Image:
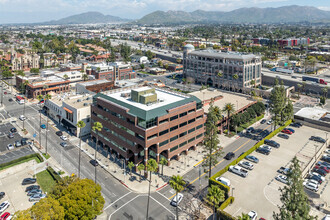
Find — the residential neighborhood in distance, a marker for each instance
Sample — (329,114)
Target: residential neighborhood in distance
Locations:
(164,110)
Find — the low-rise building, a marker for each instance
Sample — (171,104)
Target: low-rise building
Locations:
(113,71)
(94,86)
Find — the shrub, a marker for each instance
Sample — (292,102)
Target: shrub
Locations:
(225,203)
(22,160)
(54,174)
(224,215)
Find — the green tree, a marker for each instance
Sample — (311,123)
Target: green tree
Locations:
(211,140)
(152,166)
(177,183)
(65,76)
(243,217)
(325,91)
(81,124)
(163,162)
(142,66)
(235,78)
(97,127)
(215,195)
(84,77)
(140,167)
(150,55)
(229,109)
(299,89)
(277,102)
(130,166)
(20,73)
(294,200)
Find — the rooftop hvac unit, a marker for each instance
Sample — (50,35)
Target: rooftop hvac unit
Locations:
(79,100)
(85,104)
(161,100)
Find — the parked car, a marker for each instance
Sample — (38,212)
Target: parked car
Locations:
(238,170)
(34,191)
(323,163)
(318,175)
(313,181)
(316,178)
(64,144)
(37,197)
(64,138)
(263,121)
(5,216)
(246,165)
(94,162)
(32,187)
(43,126)
(22,118)
(282,179)
(10,100)
(322,168)
(27,181)
(252,158)
(290,129)
(266,147)
(4,206)
(327,151)
(296,125)
(272,143)
(317,139)
(320,171)
(230,156)
(18,144)
(250,130)
(253,215)
(2,194)
(284,136)
(326,158)
(59,133)
(311,186)
(223,180)
(177,199)
(285,131)
(11,135)
(24,141)
(263,151)
(10,147)
(13,130)
(270,122)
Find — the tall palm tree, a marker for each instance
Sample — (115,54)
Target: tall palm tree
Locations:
(40,97)
(80,125)
(229,108)
(163,162)
(152,166)
(140,167)
(85,77)
(47,97)
(215,195)
(177,183)
(97,127)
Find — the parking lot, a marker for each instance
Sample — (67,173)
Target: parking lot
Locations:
(4,139)
(259,191)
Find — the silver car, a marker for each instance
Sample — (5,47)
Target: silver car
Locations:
(37,197)
(246,165)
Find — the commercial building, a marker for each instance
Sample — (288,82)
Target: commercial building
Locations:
(218,69)
(114,71)
(94,86)
(67,110)
(143,122)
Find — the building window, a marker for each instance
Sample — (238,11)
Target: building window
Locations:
(174,128)
(152,136)
(173,118)
(183,114)
(183,124)
(182,144)
(163,143)
(191,121)
(163,132)
(191,110)
(174,148)
(191,130)
(198,136)
(192,139)
(199,126)
(183,134)
(174,138)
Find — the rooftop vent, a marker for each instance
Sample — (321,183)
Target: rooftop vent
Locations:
(79,100)
(85,104)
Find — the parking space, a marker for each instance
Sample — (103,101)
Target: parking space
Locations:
(15,191)
(4,139)
(15,154)
(260,187)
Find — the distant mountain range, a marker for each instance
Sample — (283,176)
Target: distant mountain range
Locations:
(285,14)
(88,18)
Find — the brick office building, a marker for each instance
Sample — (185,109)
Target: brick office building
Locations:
(144,122)
(112,72)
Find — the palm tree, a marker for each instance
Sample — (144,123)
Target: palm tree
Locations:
(229,108)
(303,87)
(140,167)
(65,76)
(80,125)
(163,162)
(215,195)
(152,166)
(177,183)
(217,112)
(130,166)
(85,77)
(40,97)
(97,127)
(243,217)
(47,97)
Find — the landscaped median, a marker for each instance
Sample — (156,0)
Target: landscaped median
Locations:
(229,199)
(21,160)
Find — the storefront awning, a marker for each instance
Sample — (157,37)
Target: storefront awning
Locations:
(68,110)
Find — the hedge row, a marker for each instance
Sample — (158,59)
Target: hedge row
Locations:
(212,180)
(224,215)
(22,159)
(54,174)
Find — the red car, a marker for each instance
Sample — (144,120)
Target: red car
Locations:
(286,131)
(326,169)
(5,216)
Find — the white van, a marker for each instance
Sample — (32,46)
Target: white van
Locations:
(223,180)
(176,199)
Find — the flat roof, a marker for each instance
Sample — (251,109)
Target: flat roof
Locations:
(312,113)
(229,55)
(76,101)
(94,82)
(166,100)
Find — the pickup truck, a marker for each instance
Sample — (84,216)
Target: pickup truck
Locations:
(238,170)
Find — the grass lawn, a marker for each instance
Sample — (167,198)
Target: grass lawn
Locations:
(45,180)
(46,155)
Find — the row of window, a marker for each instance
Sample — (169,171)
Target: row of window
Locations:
(185,143)
(112,142)
(119,136)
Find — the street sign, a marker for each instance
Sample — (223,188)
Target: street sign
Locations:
(34,135)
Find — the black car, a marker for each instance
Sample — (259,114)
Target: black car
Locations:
(317,139)
(94,163)
(272,143)
(284,136)
(320,171)
(317,178)
(229,156)
(10,100)
(13,130)
(326,159)
(250,130)
(2,194)
(32,187)
(24,141)
(27,181)
(296,125)
(263,121)
(59,133)
(263,150)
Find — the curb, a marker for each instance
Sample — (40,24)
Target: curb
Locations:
(162,186)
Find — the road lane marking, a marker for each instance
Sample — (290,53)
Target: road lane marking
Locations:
(123,205)
(116,200)
(163,206)
(216,164)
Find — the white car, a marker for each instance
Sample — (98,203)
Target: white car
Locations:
(253,215)
(22,117)
(266,147)
(10,147)
(327,151)
(311,186)
(4,206)
(64,138)
(282,179)
(270,122)
(223,180)
(313,181)
(177,199)
(246,165)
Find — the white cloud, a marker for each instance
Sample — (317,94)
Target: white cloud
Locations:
(325,8)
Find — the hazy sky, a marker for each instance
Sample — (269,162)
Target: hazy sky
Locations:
(24,11)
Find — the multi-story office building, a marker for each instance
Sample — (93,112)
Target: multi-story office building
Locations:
(217,69)
(112,72)
(145,122)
